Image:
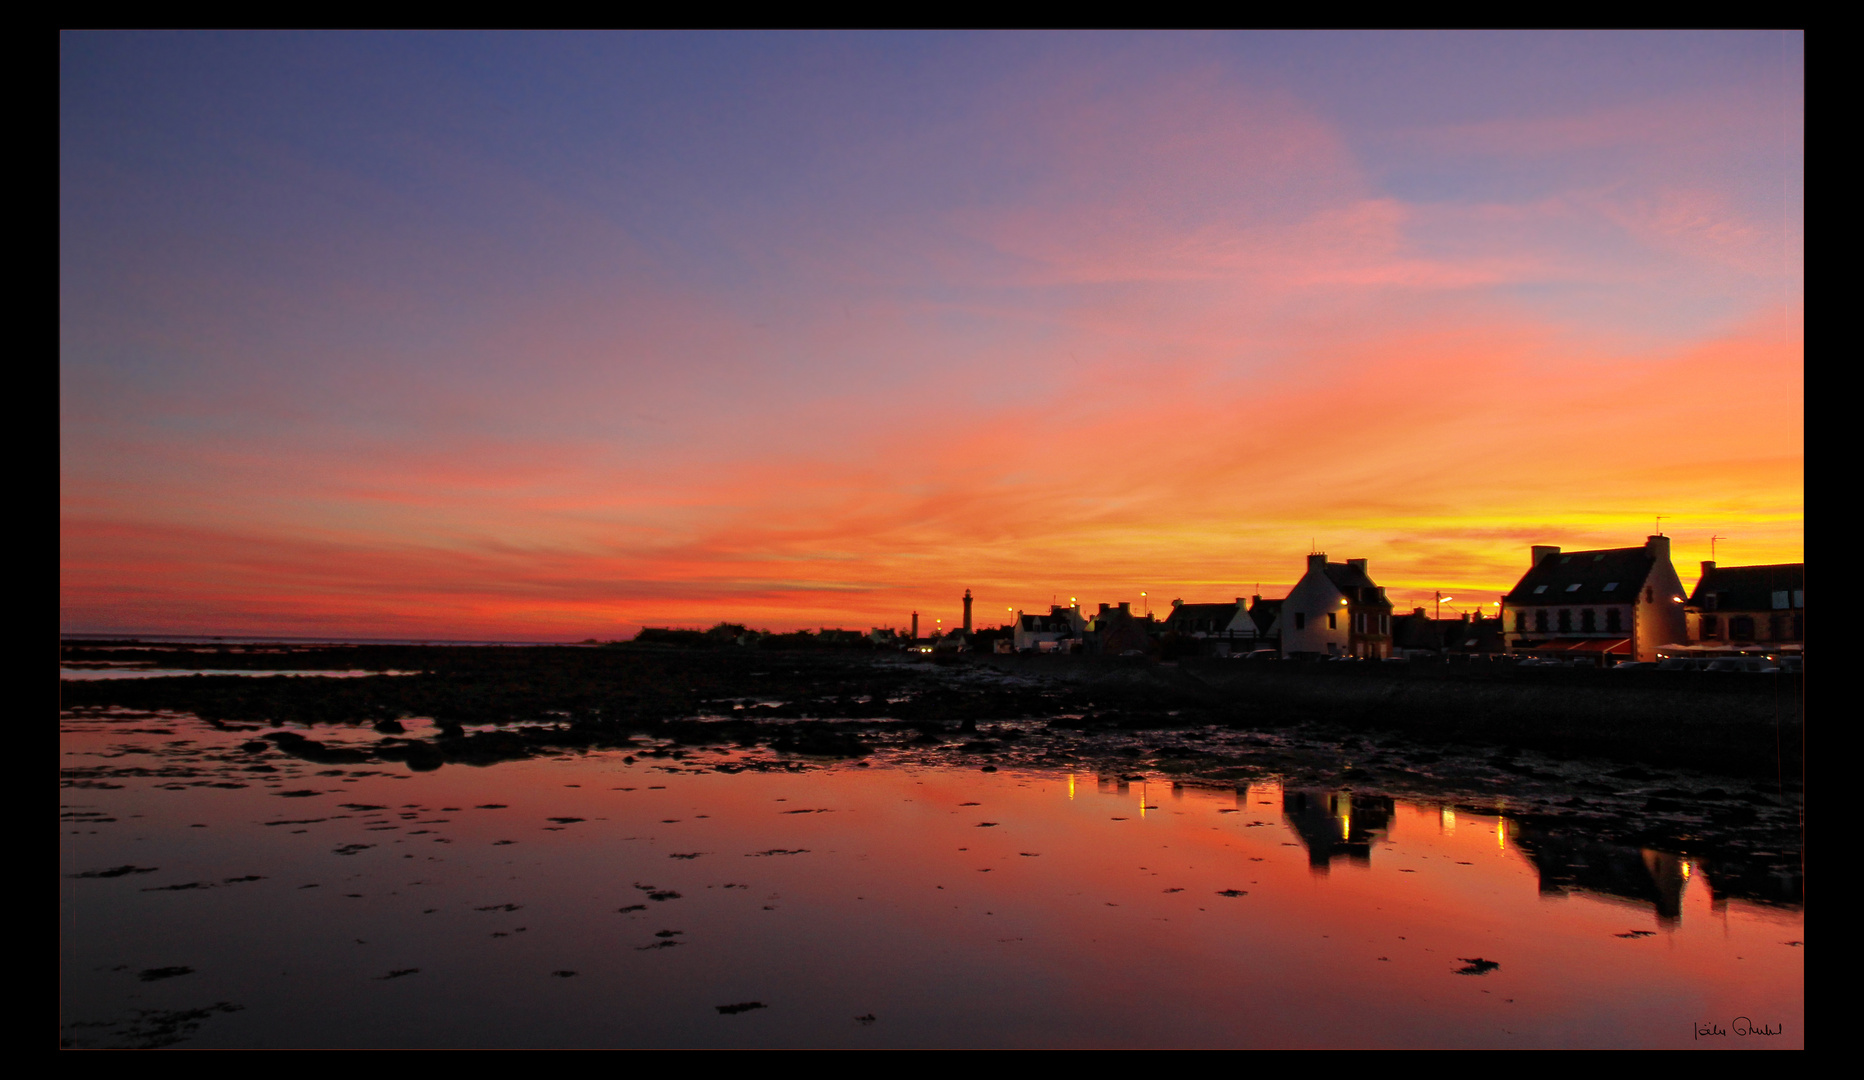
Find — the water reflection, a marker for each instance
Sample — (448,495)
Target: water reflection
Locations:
(1336,823)
(94,672)
(609,899)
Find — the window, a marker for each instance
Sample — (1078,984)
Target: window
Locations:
(1538,589)
(1780,598)
(1711,627)
(1588,621)
(1799,598)
(1520,622)
(1333,620)
(1574,587)
(1300,620)
(1741,627)
(1610,585)
(1566,620)
(1600,557)
(1566,558)
(1385,623)
(1650,594)
(1540,621)
(1612,622)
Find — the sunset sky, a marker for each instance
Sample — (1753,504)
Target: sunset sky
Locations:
(552,336)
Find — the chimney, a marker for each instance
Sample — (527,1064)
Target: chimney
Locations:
(1357,564)
(1126,607)
(1658,546)
(1105,608)
(1317,561)
(1708,568)
(1417,613)
(1541,551)
(1177,603)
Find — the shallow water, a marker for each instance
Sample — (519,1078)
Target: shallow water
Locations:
(891,905)
(129,671)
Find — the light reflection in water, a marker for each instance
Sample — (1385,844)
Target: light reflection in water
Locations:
(865,891)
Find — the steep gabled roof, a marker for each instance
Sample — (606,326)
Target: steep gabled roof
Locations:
(1750,588)
(1595,577)
(1194,614)
(1348,576)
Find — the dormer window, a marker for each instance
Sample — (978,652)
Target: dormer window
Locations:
(1538,589)
(1610,585)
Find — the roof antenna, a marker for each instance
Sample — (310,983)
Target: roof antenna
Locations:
(1659,524)
(1712,540)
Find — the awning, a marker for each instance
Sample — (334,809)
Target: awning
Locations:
(1599,645)
(1581,645)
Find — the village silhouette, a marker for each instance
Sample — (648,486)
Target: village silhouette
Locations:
(1606,608)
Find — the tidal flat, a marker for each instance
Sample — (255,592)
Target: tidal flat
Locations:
(519,850)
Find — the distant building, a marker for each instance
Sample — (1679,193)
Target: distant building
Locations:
(1749,605)
(1118,632)
(1464,635)
(1057,630)
(1336,610)
(1620,602)
(1224,628)
(1266,614)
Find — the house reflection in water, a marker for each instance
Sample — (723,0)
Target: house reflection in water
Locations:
(1335,823)
(1645,875)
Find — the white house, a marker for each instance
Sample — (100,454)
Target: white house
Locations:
(1336,610)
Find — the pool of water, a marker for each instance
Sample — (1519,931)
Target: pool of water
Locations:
(215,896)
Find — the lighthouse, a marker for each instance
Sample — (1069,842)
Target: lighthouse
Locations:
(967,611)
